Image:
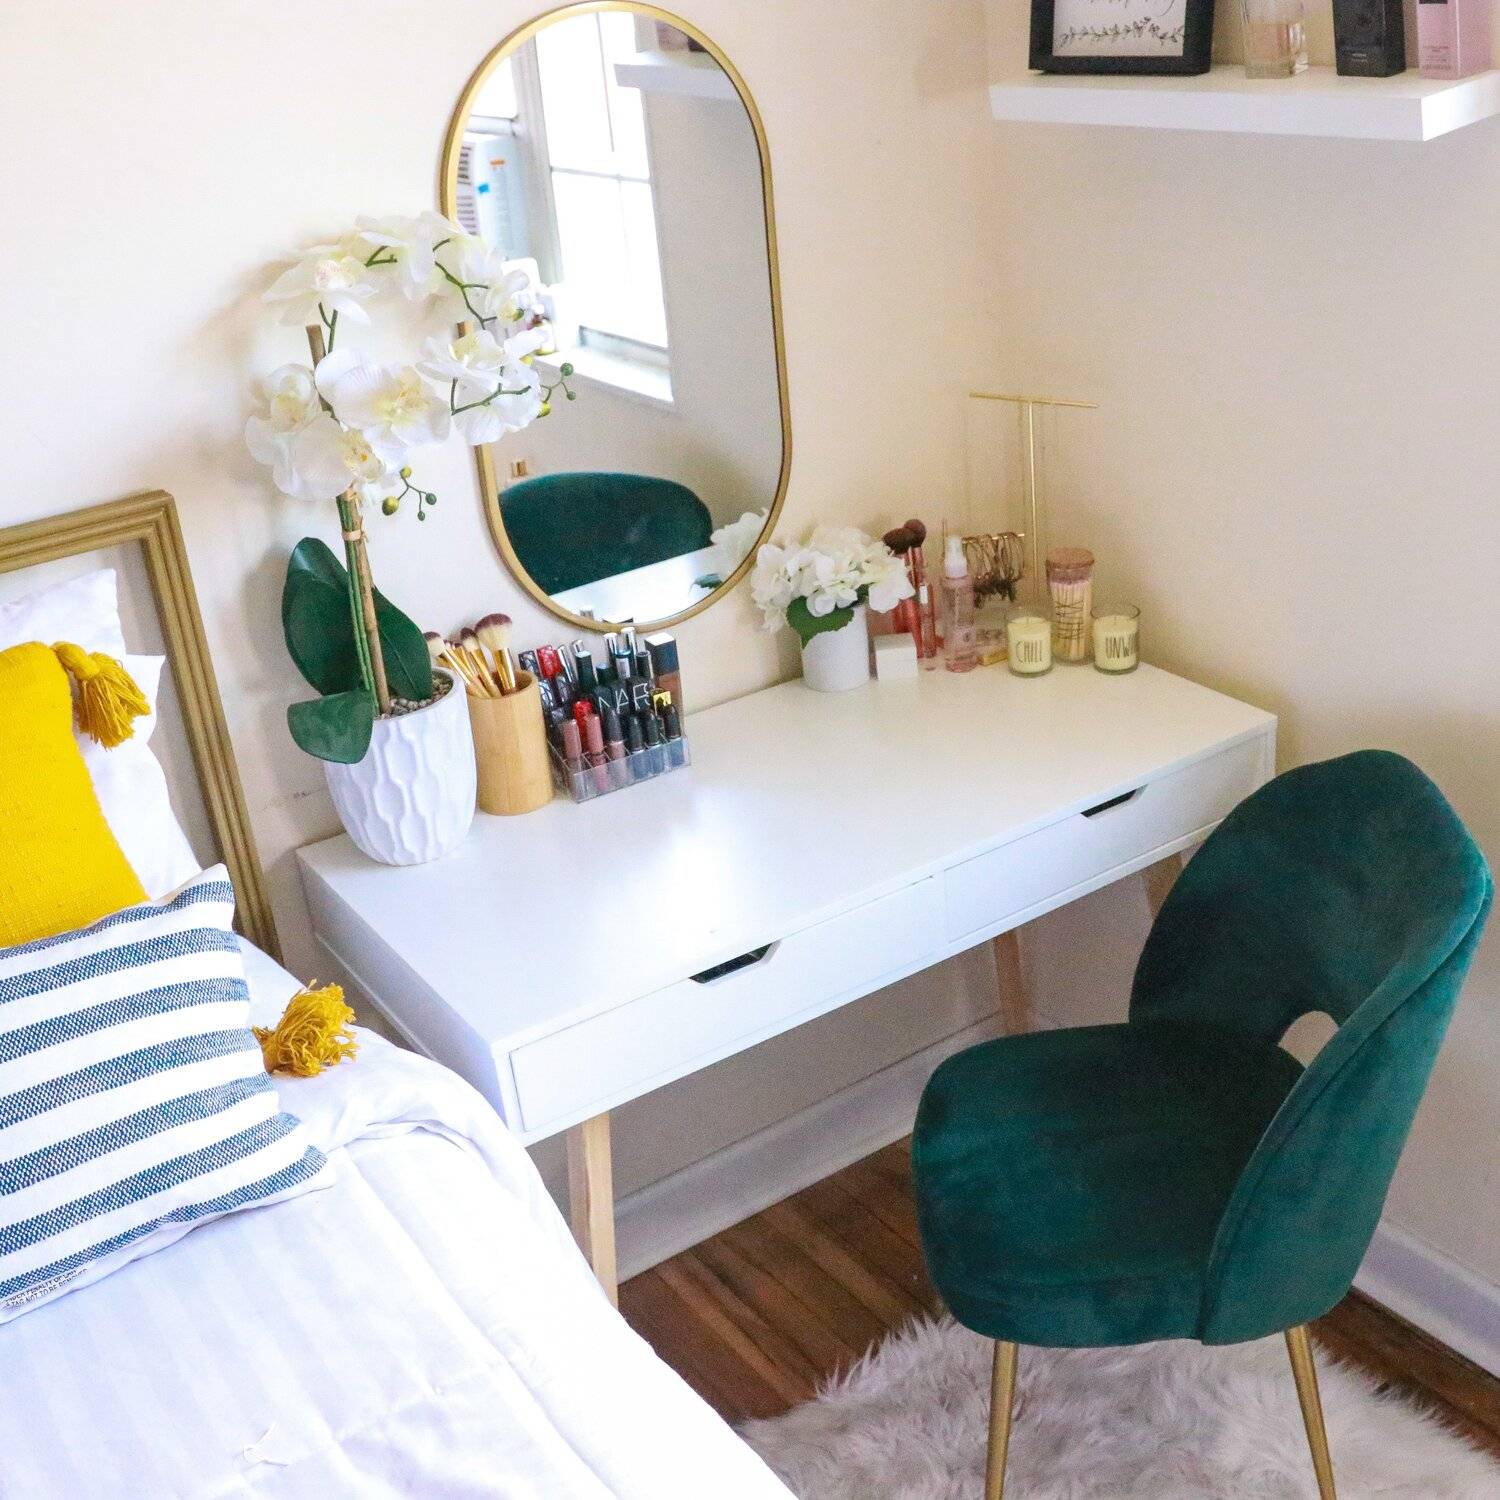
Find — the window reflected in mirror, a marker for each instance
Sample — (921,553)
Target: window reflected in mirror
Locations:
(612,156)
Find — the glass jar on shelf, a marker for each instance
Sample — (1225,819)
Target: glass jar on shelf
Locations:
(1117,638)
(1028,635)
(1070,582)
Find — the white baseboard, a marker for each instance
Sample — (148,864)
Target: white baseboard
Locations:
(657,1222)
(1439,1295)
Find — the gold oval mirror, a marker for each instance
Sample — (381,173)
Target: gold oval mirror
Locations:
(612,152)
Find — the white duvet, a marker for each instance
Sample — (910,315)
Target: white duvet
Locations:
(424,1327)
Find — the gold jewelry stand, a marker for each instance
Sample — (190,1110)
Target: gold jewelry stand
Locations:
(1027,406)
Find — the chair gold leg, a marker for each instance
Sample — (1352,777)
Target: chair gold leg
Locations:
(1299,1346)
(1002,1398)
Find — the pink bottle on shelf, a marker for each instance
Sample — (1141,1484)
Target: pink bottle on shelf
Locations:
(1453,38)
(960,634)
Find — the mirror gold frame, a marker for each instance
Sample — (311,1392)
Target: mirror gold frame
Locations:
(489,489)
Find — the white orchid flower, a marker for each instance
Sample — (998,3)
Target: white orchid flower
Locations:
(474,360)
(286,401)
(390,404)
(414,241)
(327,279)
(324,459)
(516,403)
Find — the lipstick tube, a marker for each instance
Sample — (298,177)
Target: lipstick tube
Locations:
(593,752)
(614,749)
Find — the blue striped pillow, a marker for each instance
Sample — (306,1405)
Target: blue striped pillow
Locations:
(134,1103)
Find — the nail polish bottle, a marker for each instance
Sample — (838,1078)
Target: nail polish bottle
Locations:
(655,744)
(635,749)
(671,722)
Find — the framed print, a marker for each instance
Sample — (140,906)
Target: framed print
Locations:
(1121,36)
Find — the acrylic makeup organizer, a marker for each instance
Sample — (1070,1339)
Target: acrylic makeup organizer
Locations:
(589,782)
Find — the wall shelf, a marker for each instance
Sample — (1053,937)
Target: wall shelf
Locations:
(1316,103)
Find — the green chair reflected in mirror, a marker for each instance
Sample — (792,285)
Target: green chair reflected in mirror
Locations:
(575,528)
(1181,1175)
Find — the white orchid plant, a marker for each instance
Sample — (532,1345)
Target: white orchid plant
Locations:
(815,587)
(342,427)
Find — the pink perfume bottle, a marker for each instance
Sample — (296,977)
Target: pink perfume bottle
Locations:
(960,642)
(1453,37)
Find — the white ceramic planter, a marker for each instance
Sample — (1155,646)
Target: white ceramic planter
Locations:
(838,660)
(411,798)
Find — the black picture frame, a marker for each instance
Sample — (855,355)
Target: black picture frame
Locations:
(1197,43)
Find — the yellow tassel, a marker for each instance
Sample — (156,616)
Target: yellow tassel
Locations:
(108,699)
(312,1034)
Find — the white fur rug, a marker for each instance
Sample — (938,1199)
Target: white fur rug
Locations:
(1173,1421)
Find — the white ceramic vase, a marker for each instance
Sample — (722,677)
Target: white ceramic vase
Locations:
(411,798)
(838,660)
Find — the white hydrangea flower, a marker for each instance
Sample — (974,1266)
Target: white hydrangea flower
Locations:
(732,542)
(837,567)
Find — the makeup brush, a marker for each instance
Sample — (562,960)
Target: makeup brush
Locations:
(494,636)
(469,643)
(437,649)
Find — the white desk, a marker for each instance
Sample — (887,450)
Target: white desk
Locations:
(862,836)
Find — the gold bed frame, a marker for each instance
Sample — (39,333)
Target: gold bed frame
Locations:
(150,519)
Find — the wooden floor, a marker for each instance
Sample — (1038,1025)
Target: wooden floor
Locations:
(756,1316)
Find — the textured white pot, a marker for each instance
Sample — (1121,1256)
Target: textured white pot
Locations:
(411,798)
(838,660)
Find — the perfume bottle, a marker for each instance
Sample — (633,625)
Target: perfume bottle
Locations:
(1453,37)
(959,644)
(1275,36)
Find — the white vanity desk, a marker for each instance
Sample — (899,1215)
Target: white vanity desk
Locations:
(863,836)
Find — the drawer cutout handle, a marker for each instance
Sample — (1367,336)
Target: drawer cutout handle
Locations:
(1120,801)
(734,965)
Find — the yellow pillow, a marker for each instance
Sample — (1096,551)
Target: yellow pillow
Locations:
(60,866)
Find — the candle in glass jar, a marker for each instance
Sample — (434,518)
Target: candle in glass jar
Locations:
(1028,637)
(1117,631)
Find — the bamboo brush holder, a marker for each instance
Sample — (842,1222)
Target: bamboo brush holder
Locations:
(510,749)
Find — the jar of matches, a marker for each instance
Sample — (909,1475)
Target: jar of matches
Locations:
(1070,581)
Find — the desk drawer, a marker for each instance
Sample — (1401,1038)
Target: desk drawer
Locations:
(664,1035)
(1019,875)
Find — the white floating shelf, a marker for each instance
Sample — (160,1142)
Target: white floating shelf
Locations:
(693,74)
(1317,102)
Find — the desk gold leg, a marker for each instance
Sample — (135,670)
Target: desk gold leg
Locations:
(591,1199)
(1015,1002)
(1159,880)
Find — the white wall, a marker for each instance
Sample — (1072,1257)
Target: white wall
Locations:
(1293,471)
(157,162)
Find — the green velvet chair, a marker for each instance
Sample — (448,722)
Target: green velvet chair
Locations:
(1180,1175)
(571,529)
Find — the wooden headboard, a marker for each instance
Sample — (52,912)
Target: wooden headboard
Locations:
(149,522)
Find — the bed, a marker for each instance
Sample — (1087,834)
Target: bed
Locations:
(423,1326)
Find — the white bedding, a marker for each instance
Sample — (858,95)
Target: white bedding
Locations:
(425,1327)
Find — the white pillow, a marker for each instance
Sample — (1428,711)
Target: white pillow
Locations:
(132,791)
(128,780)
(271,986)
(84,610)
(134,1102)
